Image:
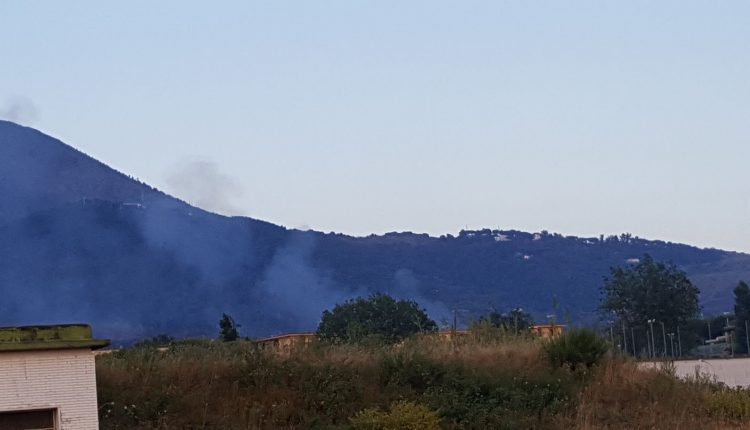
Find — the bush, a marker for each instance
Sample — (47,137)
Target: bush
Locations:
(403,415)
(733,404)
(576,348)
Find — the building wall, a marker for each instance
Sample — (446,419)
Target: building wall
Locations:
(59,379)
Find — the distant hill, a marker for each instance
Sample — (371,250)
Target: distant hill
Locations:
(80,242)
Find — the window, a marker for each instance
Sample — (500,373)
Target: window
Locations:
(28,420)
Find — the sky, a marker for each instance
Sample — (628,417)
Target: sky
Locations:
(578,117)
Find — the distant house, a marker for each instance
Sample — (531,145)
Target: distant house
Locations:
(285,343)
(547,331)
(47,378)
(453,334)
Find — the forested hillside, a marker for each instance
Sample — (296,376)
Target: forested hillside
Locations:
(80,242)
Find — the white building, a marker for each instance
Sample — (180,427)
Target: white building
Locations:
(47,378)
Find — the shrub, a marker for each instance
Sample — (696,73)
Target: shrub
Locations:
(499,402)
(576,348)
(402,416)
(733,404)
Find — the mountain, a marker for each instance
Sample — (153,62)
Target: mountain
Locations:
(80,241)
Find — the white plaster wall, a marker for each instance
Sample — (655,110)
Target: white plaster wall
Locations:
(61,379)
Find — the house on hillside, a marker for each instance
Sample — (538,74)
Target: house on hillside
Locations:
(47,378)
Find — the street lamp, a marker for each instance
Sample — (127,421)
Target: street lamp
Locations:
(664,338)
(671,342)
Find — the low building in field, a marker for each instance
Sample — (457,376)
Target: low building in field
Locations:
(48,378)
(547,331)
(285,343)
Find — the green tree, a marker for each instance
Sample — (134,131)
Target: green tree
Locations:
(742,314)
(650,290)
(228,328)
(516,321)
(379,315)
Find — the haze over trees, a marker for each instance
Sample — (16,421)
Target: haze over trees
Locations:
(378,317)
(135,262)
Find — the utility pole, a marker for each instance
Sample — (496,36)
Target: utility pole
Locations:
(679,343)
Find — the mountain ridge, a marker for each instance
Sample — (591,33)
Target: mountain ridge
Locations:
(85,242)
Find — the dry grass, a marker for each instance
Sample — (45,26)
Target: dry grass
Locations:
(503,383)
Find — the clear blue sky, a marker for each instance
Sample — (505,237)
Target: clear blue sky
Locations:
(581,117)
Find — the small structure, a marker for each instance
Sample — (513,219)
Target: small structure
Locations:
(547,331)
(451,335)
(48,378)
(285,343)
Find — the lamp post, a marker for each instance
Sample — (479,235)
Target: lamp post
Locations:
(671,343)
(664,338)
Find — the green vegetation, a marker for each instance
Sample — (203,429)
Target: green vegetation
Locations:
(228,328)
(515,321)
(402,416)
(650,290)
(503,382)
(376,319)
(576,349)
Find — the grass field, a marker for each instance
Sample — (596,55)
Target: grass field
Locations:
(496,382)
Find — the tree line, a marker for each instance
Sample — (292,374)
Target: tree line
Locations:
(651,309)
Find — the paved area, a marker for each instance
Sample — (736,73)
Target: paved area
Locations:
(735,372)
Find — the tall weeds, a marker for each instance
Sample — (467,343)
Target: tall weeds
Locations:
(489,383)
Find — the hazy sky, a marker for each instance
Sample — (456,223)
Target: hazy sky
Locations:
(581,117)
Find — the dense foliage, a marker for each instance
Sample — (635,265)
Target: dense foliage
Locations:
(228,329)
(516,321)
(576,349)
(650,290)
(377,318)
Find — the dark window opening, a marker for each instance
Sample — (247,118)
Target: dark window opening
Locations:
(28,420)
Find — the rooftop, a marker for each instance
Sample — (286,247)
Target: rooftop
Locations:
(45,337)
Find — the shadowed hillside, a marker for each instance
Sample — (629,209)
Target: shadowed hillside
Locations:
(82,242)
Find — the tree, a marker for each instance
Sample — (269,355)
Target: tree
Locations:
(379,315)
(742,314)
(650,290)
(516,321)
(228,329)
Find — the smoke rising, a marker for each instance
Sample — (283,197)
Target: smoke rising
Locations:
(202,184)
(407,288)
(297,290)
(19,110)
